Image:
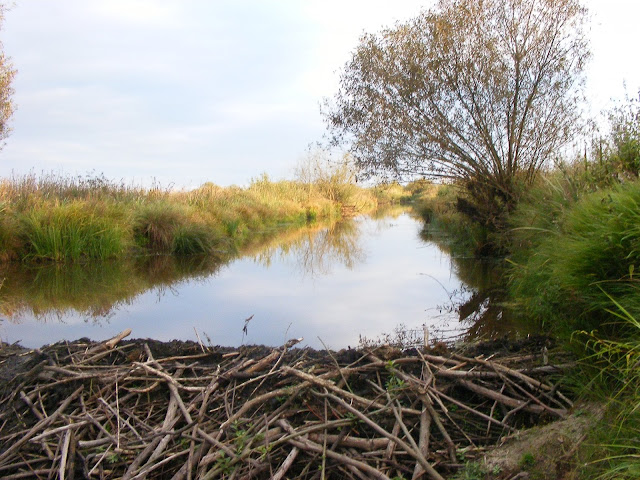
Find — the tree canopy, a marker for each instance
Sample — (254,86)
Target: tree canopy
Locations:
(483,91)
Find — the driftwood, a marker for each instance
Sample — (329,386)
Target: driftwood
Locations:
(121,410)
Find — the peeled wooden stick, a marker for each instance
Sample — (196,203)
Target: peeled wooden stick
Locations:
(451,447)
(306,444)
(170,419)
(352,442)
(351,396)
(423,442)
(286,464)
(263,363)
(33,408)
(508,401)
(391,448)
(63,457)
(531,382)
(109,344)
(470,409)
(260,400)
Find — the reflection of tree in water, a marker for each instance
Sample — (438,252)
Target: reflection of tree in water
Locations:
(94,290)
(317,249)
(339,244)
(480,303)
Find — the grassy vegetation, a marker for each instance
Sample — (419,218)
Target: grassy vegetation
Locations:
(575,249)
(438,206)
(611,374)
(95,289)
(566,272)
(54,218)
(572,245)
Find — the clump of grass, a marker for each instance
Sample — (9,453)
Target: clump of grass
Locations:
(165,227)
(611,374)
(155,225)
(577,260)
(193,239)
(612,448)
(10,236)
(71,231)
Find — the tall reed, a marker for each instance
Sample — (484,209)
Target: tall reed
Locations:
(57,218)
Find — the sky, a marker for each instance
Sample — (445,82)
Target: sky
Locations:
(181,92)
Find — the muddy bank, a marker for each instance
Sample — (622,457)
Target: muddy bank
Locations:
(147,409)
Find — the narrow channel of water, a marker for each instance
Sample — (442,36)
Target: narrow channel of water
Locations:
(361,278)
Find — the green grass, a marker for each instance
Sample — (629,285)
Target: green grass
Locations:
(566,267)
(611,375)
(71,231)
(62,219)
(575,252)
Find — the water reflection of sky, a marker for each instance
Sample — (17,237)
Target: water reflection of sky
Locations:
(333,285)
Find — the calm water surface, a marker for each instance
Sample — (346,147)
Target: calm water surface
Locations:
(332,286)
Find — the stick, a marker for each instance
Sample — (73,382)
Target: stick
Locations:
(286,464)
(331,386)
(109,344)
(472,410)
(40,425)
(451,447)
(508,401)
(63,457)
(306,444)
(430,470)
(423,443)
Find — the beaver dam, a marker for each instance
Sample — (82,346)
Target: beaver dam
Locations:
(145,409)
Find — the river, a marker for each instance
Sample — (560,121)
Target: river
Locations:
(362,280)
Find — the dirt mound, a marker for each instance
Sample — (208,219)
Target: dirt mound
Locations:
(544,452)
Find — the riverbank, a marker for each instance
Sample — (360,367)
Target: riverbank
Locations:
(141,407)
(570,258)
(64,219)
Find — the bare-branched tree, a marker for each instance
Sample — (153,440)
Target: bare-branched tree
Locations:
(482,91)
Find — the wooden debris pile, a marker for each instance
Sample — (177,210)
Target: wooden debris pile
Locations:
(123,410)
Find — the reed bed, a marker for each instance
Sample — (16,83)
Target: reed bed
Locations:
(142,409)
(62,219)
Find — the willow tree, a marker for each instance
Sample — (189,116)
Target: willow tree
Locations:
(481,91)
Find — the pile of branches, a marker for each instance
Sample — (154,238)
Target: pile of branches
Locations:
(120,410)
